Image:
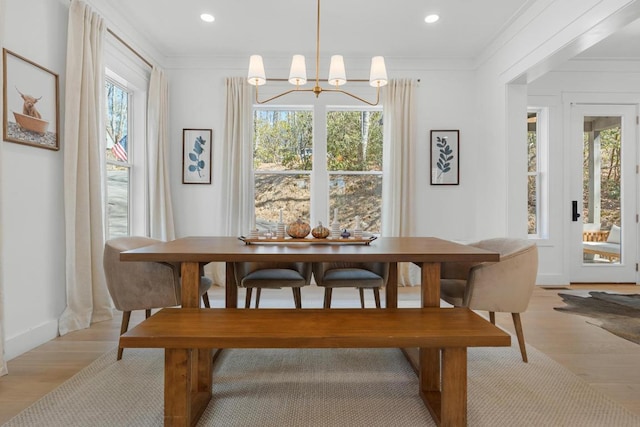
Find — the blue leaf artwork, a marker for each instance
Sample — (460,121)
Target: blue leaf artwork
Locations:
(197,164)
(445,157)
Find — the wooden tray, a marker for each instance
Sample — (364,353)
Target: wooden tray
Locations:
(309,240)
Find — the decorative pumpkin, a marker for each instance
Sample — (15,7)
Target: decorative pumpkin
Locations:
(298,229)
(320,232)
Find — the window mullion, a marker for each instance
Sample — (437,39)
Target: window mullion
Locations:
(319,174)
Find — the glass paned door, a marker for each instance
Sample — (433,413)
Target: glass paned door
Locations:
(604,205)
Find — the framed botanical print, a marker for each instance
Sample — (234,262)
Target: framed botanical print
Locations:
(196,156)
(445,157)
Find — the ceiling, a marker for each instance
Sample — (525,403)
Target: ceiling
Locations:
(359,28)
(349,27)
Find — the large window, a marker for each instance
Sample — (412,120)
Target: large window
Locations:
(537,143)
(354,161)
(282,148)
(118,159)
(309,161)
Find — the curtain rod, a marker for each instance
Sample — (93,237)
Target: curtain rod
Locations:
(125,44)
(128,46)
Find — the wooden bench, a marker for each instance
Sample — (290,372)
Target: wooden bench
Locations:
(188,335)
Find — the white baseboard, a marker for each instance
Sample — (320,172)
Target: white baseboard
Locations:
(551,279)
(28,340)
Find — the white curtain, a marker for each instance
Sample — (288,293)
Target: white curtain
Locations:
(87,296)
(237,180)
(161,225)
(398,184)
(3,363)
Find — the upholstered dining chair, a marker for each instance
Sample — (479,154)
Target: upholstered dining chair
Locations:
(272,275)
(142,285)
(504,286)
(361,275)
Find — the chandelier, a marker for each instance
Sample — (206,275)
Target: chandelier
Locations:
(337,74)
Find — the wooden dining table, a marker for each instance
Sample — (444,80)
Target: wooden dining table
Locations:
(428,253)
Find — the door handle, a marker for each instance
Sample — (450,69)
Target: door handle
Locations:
(574,214)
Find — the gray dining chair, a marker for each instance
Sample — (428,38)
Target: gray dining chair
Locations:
(272,275)
(142,285)
(343,274)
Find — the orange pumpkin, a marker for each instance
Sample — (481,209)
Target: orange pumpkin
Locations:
(298,229)
(320,232)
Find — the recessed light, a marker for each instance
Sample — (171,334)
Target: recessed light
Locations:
(207,17)
(430,19)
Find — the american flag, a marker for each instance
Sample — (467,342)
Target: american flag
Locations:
(119,149)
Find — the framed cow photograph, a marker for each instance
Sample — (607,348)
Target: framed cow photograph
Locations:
(31,99)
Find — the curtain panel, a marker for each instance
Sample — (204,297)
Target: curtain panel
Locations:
(398,185)
(236,210)
(161,224)
(88,299)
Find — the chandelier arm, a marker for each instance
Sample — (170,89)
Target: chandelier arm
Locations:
(279,95)
(373,104)
(257,75)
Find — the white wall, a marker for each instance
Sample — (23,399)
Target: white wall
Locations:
(197,98)
(591,82)
(33,270)
(544,37)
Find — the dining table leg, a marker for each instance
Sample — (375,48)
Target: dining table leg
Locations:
(426,361)
(230,287)
(190,285)
(430,297)
(391,291)
(198,362)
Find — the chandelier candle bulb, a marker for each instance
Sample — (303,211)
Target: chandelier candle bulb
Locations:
(256,76)
(378,75)
(337,74)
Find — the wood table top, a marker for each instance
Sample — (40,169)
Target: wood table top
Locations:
(384,249)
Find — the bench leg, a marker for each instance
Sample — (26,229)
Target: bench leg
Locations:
(187,385)
(447,402)
(454,386)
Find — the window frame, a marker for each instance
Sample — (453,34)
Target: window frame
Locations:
(128,71)
(541,173)
(115,80)
(348,108)
(319,175)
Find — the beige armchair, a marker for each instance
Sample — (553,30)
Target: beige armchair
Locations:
(272,275)
(504,286)
(361,275)
(142,285)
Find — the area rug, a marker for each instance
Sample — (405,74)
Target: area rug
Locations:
(616,313)
(320,387)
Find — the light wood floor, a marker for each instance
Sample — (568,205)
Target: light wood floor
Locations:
(608,363)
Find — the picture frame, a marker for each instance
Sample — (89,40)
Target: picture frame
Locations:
(197,156)
(445,157)
(31,103)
